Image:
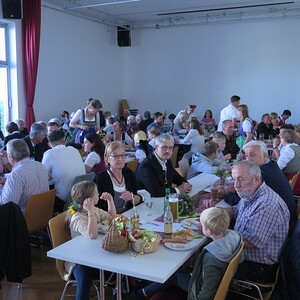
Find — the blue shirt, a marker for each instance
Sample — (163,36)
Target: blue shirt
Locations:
(263,220)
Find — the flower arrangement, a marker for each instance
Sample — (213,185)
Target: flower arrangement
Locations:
(223,173)
(186,205)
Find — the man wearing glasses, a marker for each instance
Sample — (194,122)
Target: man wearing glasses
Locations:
(156,172)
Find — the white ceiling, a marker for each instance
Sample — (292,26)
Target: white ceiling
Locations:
(159,13)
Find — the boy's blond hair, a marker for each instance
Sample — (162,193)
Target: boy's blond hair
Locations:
(218,137)
(215,219)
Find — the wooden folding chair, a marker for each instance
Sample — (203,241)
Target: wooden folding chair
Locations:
(173,157)
(132,165)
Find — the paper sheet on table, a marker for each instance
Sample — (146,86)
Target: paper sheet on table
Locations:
(223,204)
(158,226)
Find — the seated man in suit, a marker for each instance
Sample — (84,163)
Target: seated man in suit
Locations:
(156,172)
(231,147)
(14,133)
(34,141)
(27,177)
(265,127)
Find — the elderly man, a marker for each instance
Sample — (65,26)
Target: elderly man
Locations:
(27,177)
(262,218)
(288,158)
(63,165)
(230,112)
(156,172)
(14,133)
(231,147)
(257,152)
(265,127)
(35,141)
(54,124)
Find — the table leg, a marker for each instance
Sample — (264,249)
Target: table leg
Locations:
(101,285)
(119,286)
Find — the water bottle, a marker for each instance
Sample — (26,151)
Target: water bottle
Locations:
(166,200)
(135,219)
(168,223)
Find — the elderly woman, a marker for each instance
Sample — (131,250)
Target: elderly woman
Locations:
(288,158)
(117,180)
(95,148)
(86,120)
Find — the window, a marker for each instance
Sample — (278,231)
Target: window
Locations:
(4,77)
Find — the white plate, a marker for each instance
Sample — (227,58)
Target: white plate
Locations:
(193,226)
(181,246)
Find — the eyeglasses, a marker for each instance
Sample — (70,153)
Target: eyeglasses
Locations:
(118,156)
(165,148)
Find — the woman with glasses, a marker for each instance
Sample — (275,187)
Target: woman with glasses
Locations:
(117,180)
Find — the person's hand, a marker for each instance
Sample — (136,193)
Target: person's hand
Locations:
(276,142)
(85,127)
(185,187)
(126,196)
(88,205)
(106,197)
(2,180)
(209,203)
(227,156)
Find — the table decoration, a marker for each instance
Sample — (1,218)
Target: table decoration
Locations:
(116,239)
(144,241)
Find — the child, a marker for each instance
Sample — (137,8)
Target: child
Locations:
(86,219)
(153,133)
(109,128)
(211,263)
(220,139)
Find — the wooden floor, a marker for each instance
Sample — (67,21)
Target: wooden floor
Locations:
(44,283)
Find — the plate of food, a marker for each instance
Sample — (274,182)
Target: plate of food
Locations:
(191,223)
(180,246)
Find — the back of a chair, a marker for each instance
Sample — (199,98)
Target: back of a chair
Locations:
(132,165)
(39,210)
(184,167)
(229,273)
(85,177)
(59,235)
(173,157)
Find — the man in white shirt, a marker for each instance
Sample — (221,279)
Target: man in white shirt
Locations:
(230,112)
(63,165)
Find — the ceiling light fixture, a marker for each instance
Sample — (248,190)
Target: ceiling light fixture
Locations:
(104,3)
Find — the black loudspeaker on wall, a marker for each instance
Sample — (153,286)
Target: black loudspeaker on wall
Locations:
(12,9)
(124,39)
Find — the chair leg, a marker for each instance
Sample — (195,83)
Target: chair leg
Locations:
(97,290)
(63,295)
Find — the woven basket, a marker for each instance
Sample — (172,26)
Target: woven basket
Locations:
(113,241)
(144,247)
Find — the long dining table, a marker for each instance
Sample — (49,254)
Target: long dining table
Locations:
(157,266)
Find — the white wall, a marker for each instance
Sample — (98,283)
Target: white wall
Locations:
(167,69)
(79,59)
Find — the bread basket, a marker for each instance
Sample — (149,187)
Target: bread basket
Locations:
(147,242)
(116,238)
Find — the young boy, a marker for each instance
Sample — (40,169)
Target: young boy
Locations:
(210,265)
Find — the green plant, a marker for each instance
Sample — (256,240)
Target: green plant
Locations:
(222,173)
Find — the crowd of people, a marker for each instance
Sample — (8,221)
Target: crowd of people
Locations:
(90,140)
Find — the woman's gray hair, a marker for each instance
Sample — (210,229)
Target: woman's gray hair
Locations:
(288,135)
(262,146)
(163,137)
(253,169)
(37,129)
(18,149)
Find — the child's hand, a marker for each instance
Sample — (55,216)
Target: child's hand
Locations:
(107,197)
(88,205)
(227,156)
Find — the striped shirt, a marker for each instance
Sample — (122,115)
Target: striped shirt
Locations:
(27,178)
(263,220)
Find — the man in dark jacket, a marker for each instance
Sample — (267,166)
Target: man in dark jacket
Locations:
(156,172)
(231,146)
